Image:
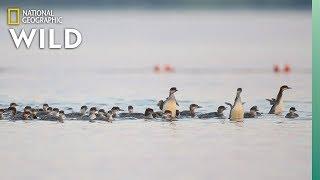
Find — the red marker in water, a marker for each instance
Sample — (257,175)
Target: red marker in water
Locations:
(287,68)
(276,68)
(168,68)
(156,69)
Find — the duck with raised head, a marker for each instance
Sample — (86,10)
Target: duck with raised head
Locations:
(171,103)
(277,104)
(237,109)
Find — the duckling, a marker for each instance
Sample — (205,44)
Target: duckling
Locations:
(23,116)
(149,113)
(45,111)
(52,115)
(109,117)
(1,114)
(131,114)
(62,117)
(92,115)
(191,112)
(34,113)
(219,114)
(292,113)
(114,111)
(105,116)
(18,115)
(77,115)
(45,107)
(12,112)
(167,115)
(253,112)
(277,104)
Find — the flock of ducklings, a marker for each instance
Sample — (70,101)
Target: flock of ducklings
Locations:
(168,111)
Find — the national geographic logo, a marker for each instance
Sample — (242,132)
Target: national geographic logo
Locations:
(72,38)
(16,16)
(13,16)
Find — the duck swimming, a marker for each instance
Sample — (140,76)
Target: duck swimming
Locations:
(78,115)
(191,112)
(277,104)
(253,113)
(25,116)
(114,111)
(58,116)
(52,115)
(292,113)
(1,114)
(131,114)
(34,113)
(12,113)
(171,103)
(46,110)
(62,117)
(149,114)
(13,104)
(92,115)
(15,115)
(219,114)
(167,116)
(45,107)
(105,116)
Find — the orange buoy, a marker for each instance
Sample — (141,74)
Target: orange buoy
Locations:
(156,69)
(276,68)
(287,68)
(168,68)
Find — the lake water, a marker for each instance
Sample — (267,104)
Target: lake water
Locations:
(213,53)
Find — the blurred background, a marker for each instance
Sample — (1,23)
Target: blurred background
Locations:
(134,51)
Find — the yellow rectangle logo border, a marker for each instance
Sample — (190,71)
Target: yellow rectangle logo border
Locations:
(9,19)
